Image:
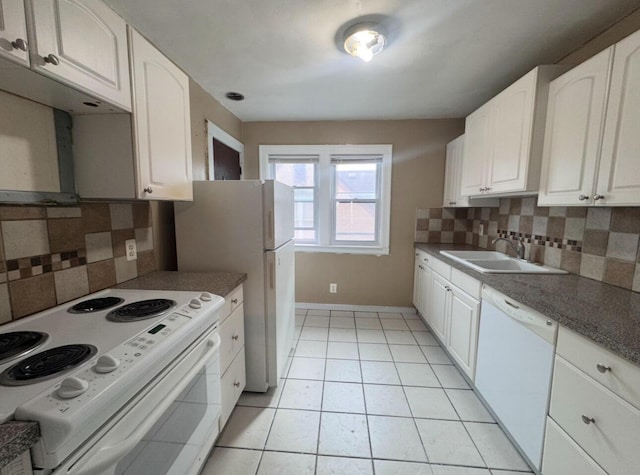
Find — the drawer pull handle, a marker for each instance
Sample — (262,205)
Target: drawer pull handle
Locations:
(602,368)
(237,385)
(234,301)
(235,337)
(588,420)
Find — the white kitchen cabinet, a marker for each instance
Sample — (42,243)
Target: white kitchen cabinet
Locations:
(439,305)
(595,404)
(505,138)
(562,455)
(13,32)
(591,144)
(81,43)
(153,162)
(575,117)
(161,124)
(421,283)
(453,180)
(463,319)
(232,362)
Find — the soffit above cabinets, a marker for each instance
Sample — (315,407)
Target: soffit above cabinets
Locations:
(445,58)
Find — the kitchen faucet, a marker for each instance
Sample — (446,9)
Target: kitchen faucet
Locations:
(518,248)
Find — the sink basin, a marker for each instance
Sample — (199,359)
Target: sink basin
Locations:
(492,262)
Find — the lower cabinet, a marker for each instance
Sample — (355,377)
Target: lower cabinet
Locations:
(594,416)
(232,365)
(451,308)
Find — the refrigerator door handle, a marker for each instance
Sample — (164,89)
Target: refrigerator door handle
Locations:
(270,221)
(271,275)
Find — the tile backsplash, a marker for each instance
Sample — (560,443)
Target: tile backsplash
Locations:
(598,243)
(49,256)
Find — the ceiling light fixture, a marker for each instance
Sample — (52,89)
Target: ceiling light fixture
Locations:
(364,40)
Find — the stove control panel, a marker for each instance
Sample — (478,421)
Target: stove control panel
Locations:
(88,383)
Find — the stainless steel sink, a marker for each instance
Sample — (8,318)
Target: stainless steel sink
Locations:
(492,262)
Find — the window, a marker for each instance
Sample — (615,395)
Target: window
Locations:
(341,194)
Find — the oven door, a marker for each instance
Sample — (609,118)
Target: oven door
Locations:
(168,428)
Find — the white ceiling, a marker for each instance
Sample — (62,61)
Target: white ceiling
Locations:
(446,57)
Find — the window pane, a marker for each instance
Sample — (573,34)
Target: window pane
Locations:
(356,181)
(303,215)
(295,174)
(355,222)
(303,194)
(305,235)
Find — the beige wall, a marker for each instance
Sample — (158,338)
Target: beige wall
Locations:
(417,182)
(203,107)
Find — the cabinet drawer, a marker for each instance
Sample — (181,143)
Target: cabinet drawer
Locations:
(440,267)
(231,302)
(623,378)
(232,385)
(466,283)
(612,438)
(422,257)
(562,455)
(231,337)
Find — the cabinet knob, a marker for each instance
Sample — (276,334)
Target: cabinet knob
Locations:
(583,197)
(588,420)
(447,288)
(602,368)
(452,202)
(19,43)
(52,59)
(148,189)
(237,385)
(234,301)
(482,189)
(488,188)
(235,337)
(597,197)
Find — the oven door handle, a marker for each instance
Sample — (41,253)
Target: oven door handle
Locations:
(108,456)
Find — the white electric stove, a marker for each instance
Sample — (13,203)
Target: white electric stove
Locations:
(102,375)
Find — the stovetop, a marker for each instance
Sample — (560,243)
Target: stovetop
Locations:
(92,328)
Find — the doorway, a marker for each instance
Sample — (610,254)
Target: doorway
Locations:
(226,154)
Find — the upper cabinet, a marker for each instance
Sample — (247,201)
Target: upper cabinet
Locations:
(592,141)
(505,137)
(453,180)
(81,43)
(13,32)
(67,54)
(146,154)
(162,124)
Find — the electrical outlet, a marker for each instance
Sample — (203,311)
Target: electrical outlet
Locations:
(481,230)
(131,249)
(333,288)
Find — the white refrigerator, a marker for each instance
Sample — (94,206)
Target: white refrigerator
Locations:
(247,226)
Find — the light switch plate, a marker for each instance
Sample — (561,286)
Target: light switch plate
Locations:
(131,249)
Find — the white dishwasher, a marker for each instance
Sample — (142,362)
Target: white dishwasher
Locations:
(516,347)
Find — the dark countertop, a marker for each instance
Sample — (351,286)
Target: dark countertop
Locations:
(218,283)
(15,438)
(607,314)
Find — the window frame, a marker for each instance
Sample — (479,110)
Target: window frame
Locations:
(325,199)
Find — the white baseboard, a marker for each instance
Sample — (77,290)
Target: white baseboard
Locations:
(355,308)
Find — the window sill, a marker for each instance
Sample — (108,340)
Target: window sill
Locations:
(361,250)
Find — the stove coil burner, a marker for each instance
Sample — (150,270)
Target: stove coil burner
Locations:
(141,310)
(95,305)
(16,344)
(47,364)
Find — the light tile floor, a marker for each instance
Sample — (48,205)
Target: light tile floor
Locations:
(364,393)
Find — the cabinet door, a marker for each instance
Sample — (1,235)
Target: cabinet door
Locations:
(439,305)
(511,127)
(462,340)
(476,150)
(562,455)
(82,43)
(13,32)
(417,284)
(425,290)
(619,175)
(162,127)
(575,118)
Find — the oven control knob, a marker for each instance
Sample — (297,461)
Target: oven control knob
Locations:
(195,303)
(72,387)
(106,364)
(206,297)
